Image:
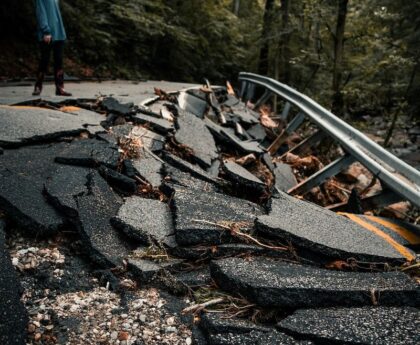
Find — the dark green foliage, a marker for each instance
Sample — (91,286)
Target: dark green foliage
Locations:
(189,40)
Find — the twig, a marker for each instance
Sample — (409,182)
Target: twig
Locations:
(240,234)
(198,307)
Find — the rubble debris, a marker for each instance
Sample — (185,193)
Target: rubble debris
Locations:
(149,168)
(150,140)
(23,173)
(146,270)
(121,131)
(193,133)
(31,125)
(278,284)
(321,231)
(119,181)
(89,153)
(242,178)
(185,166)
(13,315)
(224,136)
(145,220)
(247,116)
(111,105)
(285,178)
(366,325)
(95,209)
(161,126)
(192,207)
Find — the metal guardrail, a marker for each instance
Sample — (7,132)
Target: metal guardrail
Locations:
(390,170)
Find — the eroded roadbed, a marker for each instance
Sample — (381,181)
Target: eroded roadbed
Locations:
(166,222)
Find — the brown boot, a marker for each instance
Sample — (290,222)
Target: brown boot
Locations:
(38,84)
(59,84)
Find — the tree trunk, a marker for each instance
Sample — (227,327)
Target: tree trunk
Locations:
(263,65)
(236,7)
(284,43)
(337,101)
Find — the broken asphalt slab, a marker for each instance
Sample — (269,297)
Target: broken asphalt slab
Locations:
(89,153)
(278,284)
(120,182)
(13,315)
(225,137)
(145,220)
(112,105)
(146,270)
(23,173)
(242,178)
(95,209)
(197,213)
(159,125)
(30,125)
(367,325)
(193,133)
(192,169)
(255,338)
(324,232)
(150,140)
(86,199)
(149,168)
(284,177)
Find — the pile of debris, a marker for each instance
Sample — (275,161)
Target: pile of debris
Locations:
(107,207)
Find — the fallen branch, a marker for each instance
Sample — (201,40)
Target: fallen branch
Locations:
(198,307)
(238,233)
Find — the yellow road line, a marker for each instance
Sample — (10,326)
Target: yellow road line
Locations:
(400,248)
(406,234)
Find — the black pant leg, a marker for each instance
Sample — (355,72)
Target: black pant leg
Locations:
(45,50)
(58,49)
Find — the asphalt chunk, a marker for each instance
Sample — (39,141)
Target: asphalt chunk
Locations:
(285,178)
(145,220)
(254,338)
(215,324)
(110,104)
(13,315)
(95,209)
(319,230)
(193,133)
(196,212)
(30,125)
(159,125)
(175,179)
(224,136)
(149,168)
(242,178)
(196,278)
(89,153)
(64,185)
(146,270)
(150,140)
(278,284)
(119,181)
(23,173)
(257,131)
(192,169)
(367,325)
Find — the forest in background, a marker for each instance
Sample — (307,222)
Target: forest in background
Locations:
(358,57)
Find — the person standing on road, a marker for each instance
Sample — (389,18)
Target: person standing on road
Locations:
(51,36)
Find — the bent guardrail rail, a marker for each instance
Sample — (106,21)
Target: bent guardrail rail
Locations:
(390,170)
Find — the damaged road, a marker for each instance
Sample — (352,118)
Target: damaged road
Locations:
(169,223)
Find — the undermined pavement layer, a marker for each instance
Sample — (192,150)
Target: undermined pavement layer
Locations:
(177,195)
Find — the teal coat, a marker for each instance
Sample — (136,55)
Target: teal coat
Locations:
(49,20)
